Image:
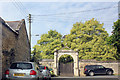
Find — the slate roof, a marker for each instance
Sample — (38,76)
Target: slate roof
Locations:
(13,24)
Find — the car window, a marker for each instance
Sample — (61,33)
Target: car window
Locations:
(87,67)
(21,66)
(100,66)
(41,67)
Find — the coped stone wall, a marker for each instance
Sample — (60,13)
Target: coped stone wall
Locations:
(82,63)
(110,64)
(47,62)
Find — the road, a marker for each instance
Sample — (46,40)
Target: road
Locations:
(87,78)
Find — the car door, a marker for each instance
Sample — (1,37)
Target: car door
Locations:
(100,69)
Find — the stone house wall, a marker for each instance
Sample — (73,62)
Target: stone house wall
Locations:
(15,45)
(22,46)
(8,46)
(0,51)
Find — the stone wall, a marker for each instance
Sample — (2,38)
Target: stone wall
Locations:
(114,65)
(15,46)
(0,51)
(8,47)
(48,62)
(22,46)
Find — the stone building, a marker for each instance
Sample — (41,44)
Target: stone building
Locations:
(14,43)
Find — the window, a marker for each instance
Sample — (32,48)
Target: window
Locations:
(21,66)
(100,66)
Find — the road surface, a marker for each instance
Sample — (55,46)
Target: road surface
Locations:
(87,78)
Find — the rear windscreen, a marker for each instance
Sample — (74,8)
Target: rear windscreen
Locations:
(21,66)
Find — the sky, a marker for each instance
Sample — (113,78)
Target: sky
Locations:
(59,15)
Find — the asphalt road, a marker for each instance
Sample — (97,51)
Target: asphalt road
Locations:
(87,78)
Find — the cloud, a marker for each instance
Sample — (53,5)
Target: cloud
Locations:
(64,21)
(0,9)
(64,0)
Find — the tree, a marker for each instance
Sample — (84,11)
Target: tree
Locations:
(47,44)
(89,39)
(114,39)
(66,59)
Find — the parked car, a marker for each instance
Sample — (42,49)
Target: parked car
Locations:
(97,69)
(45,71)
(23,71)
(51,72)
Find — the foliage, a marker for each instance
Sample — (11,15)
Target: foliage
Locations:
(89,39)
(114,39)
(65,59)
(47,44)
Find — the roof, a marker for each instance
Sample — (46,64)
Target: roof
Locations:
(13,24)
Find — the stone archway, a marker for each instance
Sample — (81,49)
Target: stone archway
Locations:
(58,54)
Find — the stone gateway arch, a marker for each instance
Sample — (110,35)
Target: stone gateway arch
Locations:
(58,54)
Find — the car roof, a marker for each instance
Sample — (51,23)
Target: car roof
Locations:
(42,65)
(23,62)
(93,65)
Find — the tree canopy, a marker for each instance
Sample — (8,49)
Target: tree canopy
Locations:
(114,39)
(90,39)
(47,44)
(66,59)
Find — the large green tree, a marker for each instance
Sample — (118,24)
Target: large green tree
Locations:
(89,39)
(47,44)
(114,39)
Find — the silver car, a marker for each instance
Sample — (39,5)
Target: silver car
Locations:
(45,71)
(23,71)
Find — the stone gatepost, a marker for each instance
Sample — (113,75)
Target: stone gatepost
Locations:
(76,65)
(55,63)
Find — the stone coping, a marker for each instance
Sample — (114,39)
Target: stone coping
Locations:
(66,51)
(99,61)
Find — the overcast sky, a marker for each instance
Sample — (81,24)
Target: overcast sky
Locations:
(59,15)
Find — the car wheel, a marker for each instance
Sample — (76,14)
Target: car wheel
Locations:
(91,73)
(38,78)
(87,74)
(49,78)
(109,72)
